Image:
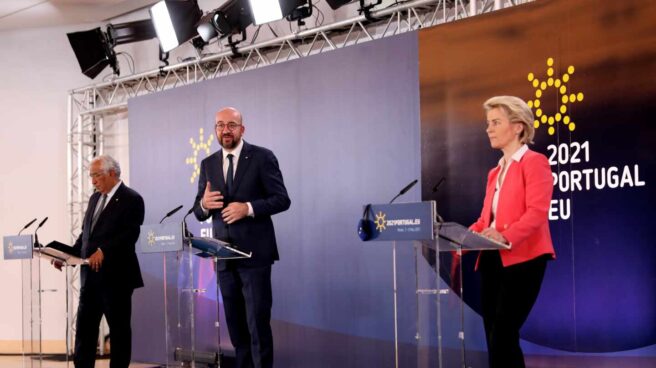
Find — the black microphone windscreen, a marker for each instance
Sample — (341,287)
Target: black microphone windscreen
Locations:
(29,223)
(438,184)
(42,222)
(174,211)
(407,187)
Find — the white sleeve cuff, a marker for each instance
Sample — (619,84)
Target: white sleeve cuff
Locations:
(205,212)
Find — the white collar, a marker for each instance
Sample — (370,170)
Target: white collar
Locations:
(111,193)
(235,151)
(517,156)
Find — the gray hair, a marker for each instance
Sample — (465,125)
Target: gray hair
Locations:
(518,112)
(107,164)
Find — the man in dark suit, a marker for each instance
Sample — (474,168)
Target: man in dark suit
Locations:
(241,187)
(109,233)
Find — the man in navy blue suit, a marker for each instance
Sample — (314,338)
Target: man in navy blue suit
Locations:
(109,233)
(241,187)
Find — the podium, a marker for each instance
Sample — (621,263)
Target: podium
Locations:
(26,249)
(182,256)
(418,222)
(65,255)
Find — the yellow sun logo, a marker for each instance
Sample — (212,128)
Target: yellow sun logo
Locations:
(566,98)
(380,221)
(197,147)
(151,238)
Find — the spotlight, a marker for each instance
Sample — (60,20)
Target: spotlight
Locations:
(364,8)
(94,49)
(265,11)
(232,18)
(336,4)
(205,28)
(175,21)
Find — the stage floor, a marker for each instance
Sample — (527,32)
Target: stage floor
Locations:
(17,361)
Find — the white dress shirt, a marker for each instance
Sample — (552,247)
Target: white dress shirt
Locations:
(517,156)
(236,152)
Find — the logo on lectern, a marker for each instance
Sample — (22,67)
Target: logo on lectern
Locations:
(566,98)
(10,247)
(380,221)
(151,238)
(197,147)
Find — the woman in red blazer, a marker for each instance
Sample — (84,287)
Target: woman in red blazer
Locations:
(515,212)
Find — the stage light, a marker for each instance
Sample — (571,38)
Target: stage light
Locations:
(93,52)
(94,49)
(265,11)
(232,18)
(205,28)
(175,21)
(364,7)
(336,4)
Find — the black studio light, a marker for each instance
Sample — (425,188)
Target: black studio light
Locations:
(94,49)
(364,7)
(230,19)
(265,11)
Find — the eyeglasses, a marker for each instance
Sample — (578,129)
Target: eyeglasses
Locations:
(231,126)
(96,175)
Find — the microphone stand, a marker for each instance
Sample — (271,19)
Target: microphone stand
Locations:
(36,236)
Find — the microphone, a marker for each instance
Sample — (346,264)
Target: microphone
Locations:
(404,190)
(26,226)
(171,213)
(36,237)
(435,188)
(186,232)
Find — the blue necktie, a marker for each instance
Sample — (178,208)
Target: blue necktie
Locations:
(229,175)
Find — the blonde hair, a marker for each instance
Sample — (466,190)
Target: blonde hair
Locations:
(518,112)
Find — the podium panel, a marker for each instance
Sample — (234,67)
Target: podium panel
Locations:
(419,223)
(190,289)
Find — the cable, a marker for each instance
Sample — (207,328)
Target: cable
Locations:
(257,32)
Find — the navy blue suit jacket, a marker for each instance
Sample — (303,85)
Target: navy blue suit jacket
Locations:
(258,180)
(116,233)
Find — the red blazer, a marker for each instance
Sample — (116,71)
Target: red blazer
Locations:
(522,211)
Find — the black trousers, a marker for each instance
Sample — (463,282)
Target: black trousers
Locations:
(247,302)
(507,297)
(116,305)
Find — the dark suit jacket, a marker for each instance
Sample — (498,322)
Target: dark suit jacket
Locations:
(116,233)
(257,180)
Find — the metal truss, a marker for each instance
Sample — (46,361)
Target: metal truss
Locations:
(400,18)
(88,107)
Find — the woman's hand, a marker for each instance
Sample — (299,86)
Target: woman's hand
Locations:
(493,234)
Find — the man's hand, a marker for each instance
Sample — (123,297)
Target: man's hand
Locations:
(96,260)
(494,235)
(211,200)
(58,264)
(234,212)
